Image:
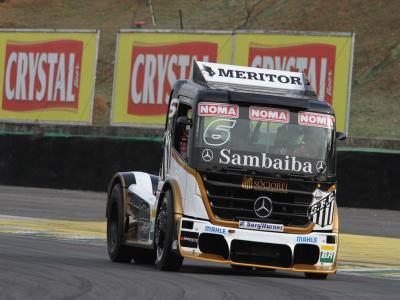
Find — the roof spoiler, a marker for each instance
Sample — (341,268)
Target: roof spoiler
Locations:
(218,75)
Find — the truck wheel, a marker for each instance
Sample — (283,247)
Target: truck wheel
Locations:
(144,256)
(167,260)
(316,275)
(117,251)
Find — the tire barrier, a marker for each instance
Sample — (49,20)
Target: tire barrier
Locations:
(365,179)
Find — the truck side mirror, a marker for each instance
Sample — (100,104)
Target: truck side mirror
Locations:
(340,136)
(184,121)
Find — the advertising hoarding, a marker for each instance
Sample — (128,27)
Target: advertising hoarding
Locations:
(47,76)
(149,62)
(325,58)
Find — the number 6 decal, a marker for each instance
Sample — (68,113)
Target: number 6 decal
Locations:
(218,132)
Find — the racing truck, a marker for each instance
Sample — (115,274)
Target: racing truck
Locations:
(247,178)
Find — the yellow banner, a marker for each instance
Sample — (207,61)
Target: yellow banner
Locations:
(326,59)
(149,63)
(47,76)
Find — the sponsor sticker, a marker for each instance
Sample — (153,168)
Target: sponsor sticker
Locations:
(250,183)
(327,254)
(261,226)
(265,161)
(268,114)
(218,132)
(218,110)
(42,75)
(238,75)
(316,120)
(328,248)
(189,239)
(307,239)
(322,208)
(215,229)
(173,108)
(175,245)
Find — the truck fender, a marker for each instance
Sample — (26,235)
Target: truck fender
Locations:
(172,184)
(125,179)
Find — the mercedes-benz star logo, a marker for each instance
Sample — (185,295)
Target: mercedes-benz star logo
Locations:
(263,207)
(321,166)
(207,155)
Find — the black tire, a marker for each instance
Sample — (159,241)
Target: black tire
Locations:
(144,256)
(167,259)
(117,251)
(316,275)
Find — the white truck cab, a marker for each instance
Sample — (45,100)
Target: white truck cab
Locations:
(248,178)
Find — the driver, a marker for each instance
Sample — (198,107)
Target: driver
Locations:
(183,143)
(288,138)
(312,143)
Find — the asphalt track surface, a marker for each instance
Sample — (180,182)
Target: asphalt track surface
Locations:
(34,265)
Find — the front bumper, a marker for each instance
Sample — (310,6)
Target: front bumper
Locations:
(313,252)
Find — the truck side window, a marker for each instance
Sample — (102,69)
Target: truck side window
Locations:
(181,132)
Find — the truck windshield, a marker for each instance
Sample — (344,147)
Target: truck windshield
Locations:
(263,139)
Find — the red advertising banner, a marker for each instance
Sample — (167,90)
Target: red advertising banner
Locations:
(317,61)
(149,62)
(42,75)
(154,70)
(147,66)
(47,76)
(326,59)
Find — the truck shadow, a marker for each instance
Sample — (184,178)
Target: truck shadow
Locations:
(215,270)
(224,271)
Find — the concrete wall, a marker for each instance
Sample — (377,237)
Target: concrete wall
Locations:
(365,179)
(73,162)
(369,179)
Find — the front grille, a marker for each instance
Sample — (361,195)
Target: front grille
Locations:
(230,201)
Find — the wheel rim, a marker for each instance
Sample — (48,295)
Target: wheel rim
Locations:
(161,229)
